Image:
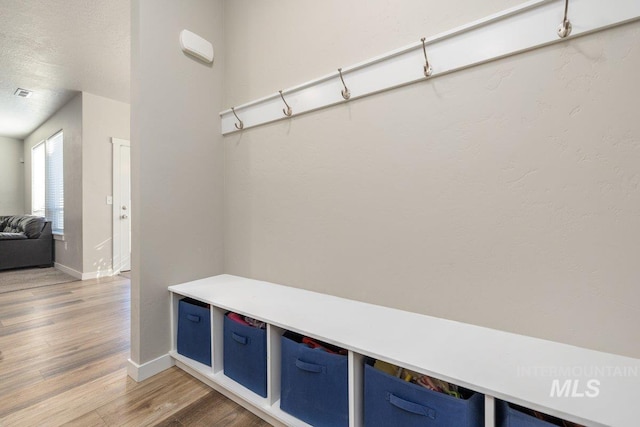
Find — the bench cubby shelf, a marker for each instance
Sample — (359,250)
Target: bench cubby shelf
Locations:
(484,360)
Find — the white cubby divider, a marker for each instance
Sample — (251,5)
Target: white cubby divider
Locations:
(217,339)
(356,388)
(484,360)
(273,363)
(489,409)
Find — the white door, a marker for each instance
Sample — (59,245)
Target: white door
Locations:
(121,205)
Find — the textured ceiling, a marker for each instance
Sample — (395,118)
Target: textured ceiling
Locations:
(57,48)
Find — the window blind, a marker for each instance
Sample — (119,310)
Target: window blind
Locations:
(54,184)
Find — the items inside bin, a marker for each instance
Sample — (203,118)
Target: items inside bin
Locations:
(246,320)
(315,344)
(421,380)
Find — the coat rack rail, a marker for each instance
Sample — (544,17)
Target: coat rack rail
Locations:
(528,26)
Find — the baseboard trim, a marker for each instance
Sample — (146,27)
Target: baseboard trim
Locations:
(97,274)
(83,276)
(148,369)
(68,270)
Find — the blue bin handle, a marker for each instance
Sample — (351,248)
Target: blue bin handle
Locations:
(239,338)
(193,318)
(309,367)
(414,408)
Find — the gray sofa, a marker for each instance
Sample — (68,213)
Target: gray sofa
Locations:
(25,241)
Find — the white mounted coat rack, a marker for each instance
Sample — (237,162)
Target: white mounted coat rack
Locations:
(528,26)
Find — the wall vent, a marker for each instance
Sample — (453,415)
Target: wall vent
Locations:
(24,93)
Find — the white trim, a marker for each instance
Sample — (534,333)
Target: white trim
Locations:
(116,258)
(148,369)
(525,27)
(68,270)
(83,276)
(98,274)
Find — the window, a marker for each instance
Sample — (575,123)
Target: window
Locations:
(47,181)
(37,179)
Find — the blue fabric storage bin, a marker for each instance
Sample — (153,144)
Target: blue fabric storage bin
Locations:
(506,416)
(245,355)
(194,330)
(314,384)
(390,401)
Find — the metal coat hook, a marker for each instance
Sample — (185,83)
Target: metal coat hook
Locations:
(288,112)
(238,126)
(346,94)
(565,27)
(427,67)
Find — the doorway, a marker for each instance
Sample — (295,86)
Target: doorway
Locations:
(121,205)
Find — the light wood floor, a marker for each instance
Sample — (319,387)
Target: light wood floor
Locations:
(63,353)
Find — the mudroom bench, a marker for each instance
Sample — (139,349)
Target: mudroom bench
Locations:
(579,385)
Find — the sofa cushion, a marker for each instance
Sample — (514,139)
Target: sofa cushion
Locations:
(11,224)
(13,236)
(30,225)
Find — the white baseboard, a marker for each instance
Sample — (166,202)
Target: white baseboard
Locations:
(83,276)
(97,274)
(147,370)
(68,270)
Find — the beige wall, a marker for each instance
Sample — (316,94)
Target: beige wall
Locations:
(102,119)
(275,44)
(177,162)
(69,119)
(11,176)
(506,195)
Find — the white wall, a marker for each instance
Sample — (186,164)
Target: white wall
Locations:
(102,119)
(506,195)
(11,176)
(177,162)
(69,119)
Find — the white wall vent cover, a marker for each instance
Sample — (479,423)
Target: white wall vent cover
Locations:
(195,45)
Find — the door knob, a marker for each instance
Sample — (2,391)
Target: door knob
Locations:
(124,207)
(125,216)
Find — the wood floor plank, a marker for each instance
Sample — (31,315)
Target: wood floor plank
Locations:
(169,422)
(155,400)
(30,298)
(34,394)
(90,419)
(86,356)
(18,379)
(24,326)
(39,313)
(216,410)
(66,406)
